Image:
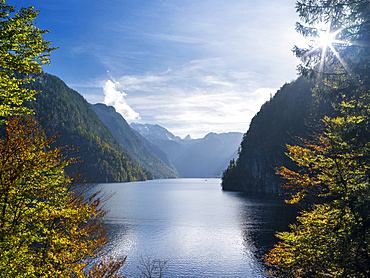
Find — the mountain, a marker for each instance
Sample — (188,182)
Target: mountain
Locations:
(159,136)
(64,111)
(155,132)
(156,150)
(205,157)
(130,140)
(288,115)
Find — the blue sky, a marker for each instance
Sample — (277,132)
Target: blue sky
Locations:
(192,66)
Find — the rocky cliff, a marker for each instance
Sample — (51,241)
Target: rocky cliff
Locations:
(288,115)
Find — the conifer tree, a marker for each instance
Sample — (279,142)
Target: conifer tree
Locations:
(331,238)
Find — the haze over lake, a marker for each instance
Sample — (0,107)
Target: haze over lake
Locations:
(199,229)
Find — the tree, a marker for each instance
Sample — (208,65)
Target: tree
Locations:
(47,227)
(22,50)
(151,268)
(331,238)
(339,59)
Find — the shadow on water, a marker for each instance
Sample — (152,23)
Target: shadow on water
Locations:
(261,217)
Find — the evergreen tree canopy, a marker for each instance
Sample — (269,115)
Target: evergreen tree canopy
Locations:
(332,237)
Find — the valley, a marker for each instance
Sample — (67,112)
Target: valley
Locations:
(148,151)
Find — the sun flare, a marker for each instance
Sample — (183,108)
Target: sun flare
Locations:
(326,38)
(326,41)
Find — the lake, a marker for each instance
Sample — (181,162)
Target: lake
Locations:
(200,230)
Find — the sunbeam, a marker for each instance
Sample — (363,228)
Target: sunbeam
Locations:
(325,42)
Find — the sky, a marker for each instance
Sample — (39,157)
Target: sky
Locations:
(191,66)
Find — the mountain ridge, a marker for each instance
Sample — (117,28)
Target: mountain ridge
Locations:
(125,135)
(288,115)
(202,157)
(64,111)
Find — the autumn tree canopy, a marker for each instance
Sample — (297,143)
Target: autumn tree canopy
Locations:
(331,238)
(47,229)
(48,226)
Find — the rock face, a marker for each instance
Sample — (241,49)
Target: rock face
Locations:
(288,115)
(194,158)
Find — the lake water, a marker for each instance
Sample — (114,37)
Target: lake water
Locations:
(200,230)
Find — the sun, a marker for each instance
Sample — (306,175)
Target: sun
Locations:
(326,38)
(325,42)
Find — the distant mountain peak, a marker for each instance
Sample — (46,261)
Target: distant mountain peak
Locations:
(154,131)
(133,142)
(202,157)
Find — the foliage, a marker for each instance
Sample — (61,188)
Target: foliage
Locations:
(228,172)
(22,50)
(320,246)
(332,238)
(107,268)
(348,53)
(47,227)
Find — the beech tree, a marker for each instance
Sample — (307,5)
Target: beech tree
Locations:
(22,50)
(331,238)
(47,227)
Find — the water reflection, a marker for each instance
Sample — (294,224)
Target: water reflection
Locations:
(201,230)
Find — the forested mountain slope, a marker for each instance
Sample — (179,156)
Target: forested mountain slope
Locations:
(131,142)
(288,115)
(66,112)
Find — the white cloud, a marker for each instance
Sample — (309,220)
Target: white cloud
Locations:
(198,67)
(116,98)
(198,98)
